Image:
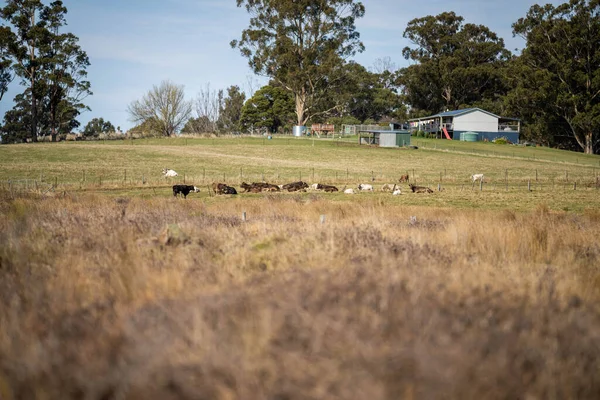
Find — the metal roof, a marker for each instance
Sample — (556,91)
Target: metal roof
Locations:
(456,113)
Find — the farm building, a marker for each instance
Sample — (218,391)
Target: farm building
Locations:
(391,137)
(451,124)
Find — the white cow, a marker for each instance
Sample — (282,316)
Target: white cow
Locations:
(349,191)
(388,187)
(365,187)
(477,177)
(397,192)
(169,173)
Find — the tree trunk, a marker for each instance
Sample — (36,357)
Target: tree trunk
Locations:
(300,107)
(589,143)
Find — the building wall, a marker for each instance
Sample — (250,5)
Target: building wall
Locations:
(394,139)
(512,136)
(476,121)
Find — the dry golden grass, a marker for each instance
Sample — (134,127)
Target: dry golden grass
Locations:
(131,298)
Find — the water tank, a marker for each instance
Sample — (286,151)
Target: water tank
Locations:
(298,130)
(469,136)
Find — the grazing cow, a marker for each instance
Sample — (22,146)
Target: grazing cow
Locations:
(349,191)
(327,188)
(169,173)
(388,187)
(222,188)
(477,177)
(295,186)
(184,190)
(403,178)
(365,188)
(419,189)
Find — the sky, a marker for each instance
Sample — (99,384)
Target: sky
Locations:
(136,44)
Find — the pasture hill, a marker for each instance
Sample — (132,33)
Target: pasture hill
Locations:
(111,287)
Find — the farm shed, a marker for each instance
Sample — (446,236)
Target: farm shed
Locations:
(391,137)
(451,124)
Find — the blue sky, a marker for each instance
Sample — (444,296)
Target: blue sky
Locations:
(135,44)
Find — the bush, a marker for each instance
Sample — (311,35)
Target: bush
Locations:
(501,140)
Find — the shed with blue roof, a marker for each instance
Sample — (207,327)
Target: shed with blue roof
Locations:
(451,124)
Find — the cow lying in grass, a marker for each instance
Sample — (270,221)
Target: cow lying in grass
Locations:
(184,190)
(363,187)
(326,188)
(169,173)
(419,189)
(221,188)
(295,186)
(388,187)
(257,187)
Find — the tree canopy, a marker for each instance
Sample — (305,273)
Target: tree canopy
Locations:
(457,65)
(301,45)
(558,74)
(50,63)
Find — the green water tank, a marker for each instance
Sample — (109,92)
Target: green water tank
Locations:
(469,136)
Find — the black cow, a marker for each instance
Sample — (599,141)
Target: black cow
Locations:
(184,190)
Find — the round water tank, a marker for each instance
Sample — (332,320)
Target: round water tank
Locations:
(470,136)
(298,130)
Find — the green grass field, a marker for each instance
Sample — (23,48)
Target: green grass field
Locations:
(110,288)
(519,178)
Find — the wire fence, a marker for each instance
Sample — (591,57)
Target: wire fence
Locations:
(443,180)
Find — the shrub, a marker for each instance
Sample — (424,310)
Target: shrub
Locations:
(501,140)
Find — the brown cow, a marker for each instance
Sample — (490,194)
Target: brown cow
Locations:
(222,188)
(403,178)
(295,186)
(327,188)
(419,189)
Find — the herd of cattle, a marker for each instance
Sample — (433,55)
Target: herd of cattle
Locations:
(259,187)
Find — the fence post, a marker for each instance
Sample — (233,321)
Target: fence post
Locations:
(244,216)
(322,219)
(529,185)
(481,185)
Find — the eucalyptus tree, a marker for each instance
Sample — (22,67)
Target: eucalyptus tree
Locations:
(30,34)
(63,71)
(164,107)
(6,68)
(49,62)
(456,65)
(302,45)
(558,74)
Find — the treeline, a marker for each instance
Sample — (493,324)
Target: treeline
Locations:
(305,48)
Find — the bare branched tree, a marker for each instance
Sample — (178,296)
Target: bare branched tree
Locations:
(208,104)
(382,65)
(164,107)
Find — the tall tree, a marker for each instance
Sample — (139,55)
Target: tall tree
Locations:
(560,67)
(64,71)
(31,33)
(231,110)
(456,64)
(7,38)
(164,107)
(301,45)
